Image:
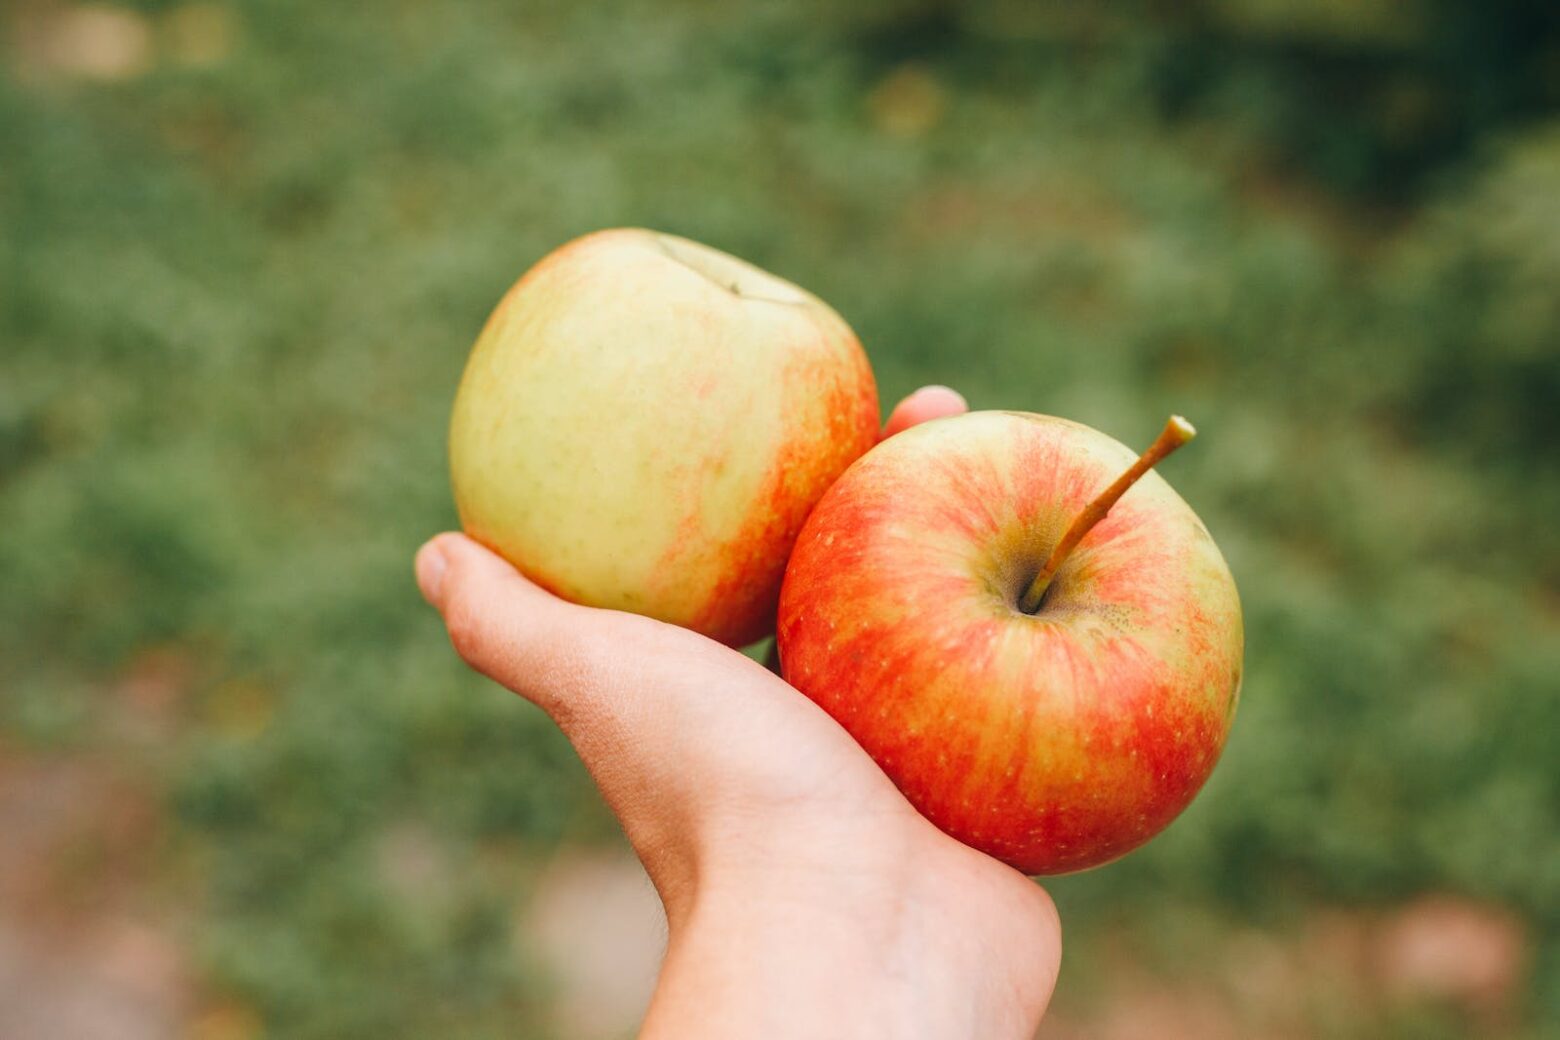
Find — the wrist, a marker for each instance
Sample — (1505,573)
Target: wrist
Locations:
(801,947)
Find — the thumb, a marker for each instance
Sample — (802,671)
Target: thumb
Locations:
(634,696)
(546,649)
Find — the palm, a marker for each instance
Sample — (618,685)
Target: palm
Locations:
(727,756)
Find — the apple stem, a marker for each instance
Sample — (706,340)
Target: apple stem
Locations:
(1177,432)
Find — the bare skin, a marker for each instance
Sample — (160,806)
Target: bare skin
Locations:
(804,896)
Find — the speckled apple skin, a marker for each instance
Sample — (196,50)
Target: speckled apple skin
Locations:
(636,433)
(1054,742)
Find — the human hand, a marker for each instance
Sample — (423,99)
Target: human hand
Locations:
(804,896)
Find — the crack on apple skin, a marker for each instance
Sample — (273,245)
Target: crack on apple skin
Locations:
(1237,680)
(688,254)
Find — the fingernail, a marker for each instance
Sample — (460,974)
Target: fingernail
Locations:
(430,569)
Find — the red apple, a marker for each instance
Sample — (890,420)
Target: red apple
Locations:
(1055,705)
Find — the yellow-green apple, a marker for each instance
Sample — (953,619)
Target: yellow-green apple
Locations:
(645,422)
(1047,685)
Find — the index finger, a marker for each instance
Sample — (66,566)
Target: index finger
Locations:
(927,403)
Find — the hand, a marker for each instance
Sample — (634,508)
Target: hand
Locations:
(804,896)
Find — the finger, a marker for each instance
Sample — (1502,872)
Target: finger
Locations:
(592,670)
(657,713)
(927,403)
(510,629)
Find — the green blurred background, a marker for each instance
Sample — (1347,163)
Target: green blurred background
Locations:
(246,789)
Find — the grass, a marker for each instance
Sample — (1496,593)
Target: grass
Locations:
(236,294)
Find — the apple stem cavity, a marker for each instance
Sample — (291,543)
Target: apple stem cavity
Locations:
(1177,432)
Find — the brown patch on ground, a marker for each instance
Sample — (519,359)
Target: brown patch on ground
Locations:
(1446,949)
(596,925)
(84,952)
(90,945)
(101,43)
(57,42)
(1367,968)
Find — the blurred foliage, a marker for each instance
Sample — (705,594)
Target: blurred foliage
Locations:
(238,282)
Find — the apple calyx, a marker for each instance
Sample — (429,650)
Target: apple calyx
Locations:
(1177,432)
